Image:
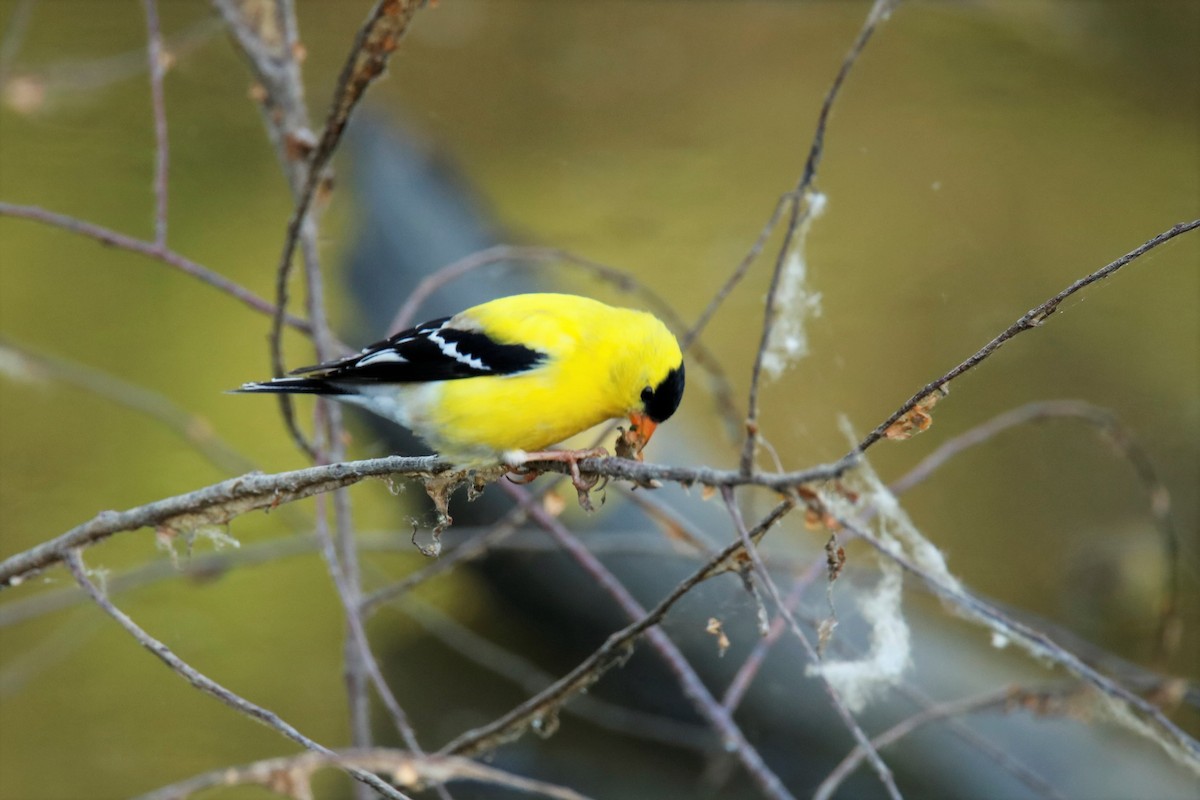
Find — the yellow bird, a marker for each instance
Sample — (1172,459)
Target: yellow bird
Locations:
(510,377)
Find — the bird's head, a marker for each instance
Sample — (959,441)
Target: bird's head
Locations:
(658,403)
(656,385)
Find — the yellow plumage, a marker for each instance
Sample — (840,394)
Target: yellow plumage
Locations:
(578,362)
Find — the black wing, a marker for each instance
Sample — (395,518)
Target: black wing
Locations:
(432,351)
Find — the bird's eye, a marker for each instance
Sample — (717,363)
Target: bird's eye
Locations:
(647,393)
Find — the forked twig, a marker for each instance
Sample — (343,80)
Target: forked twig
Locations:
(613,652)
(751,551)
(718,717)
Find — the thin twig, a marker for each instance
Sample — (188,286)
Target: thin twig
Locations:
(191,428)
(877,763)
(479,545)
(268,38)
(693,333)
(995,699)
(1158,727)
(798,210)
(204,683)
(376,40)
(358,642)
(292,774)
(614,651)
(14,37)
(702,700)
(151,250)
(1033,318)
(210,565)
(156,58)
(197,568)
(1123,439)
(88,77)
(744,677)
(523,672)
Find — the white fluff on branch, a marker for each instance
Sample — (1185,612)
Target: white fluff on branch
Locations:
(795,301)
(890,653)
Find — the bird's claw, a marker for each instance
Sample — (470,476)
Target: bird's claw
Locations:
(583,486)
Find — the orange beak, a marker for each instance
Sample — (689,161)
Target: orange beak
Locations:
(644,427)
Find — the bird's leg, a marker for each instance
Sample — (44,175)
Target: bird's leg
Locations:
(571,458)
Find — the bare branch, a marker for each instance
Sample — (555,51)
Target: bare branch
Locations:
(1173,739)
(376,40)
(478,546)
(932,714)
(358,644)
(212,505)
(193,429)
(150,250)
(693,334)
(14,37)
(526,674)
(221,502)
(613,652)
(720,719)
(293,774)
(1123,439)
(204,683)
(751,551)
(268,37)
(1030,320)
(799,209)
(736,691)
(157,62)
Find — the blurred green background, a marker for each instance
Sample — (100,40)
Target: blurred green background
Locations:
(982,157)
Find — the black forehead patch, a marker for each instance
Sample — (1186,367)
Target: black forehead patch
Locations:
(661,401)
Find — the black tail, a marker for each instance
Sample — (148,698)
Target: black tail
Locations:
(291,386)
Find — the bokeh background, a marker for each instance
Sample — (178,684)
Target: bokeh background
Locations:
(982,156)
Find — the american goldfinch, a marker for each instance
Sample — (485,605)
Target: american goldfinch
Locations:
(514,375)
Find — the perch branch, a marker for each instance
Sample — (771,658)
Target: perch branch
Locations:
(221,502)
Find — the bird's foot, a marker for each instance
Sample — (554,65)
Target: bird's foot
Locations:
(571,458)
